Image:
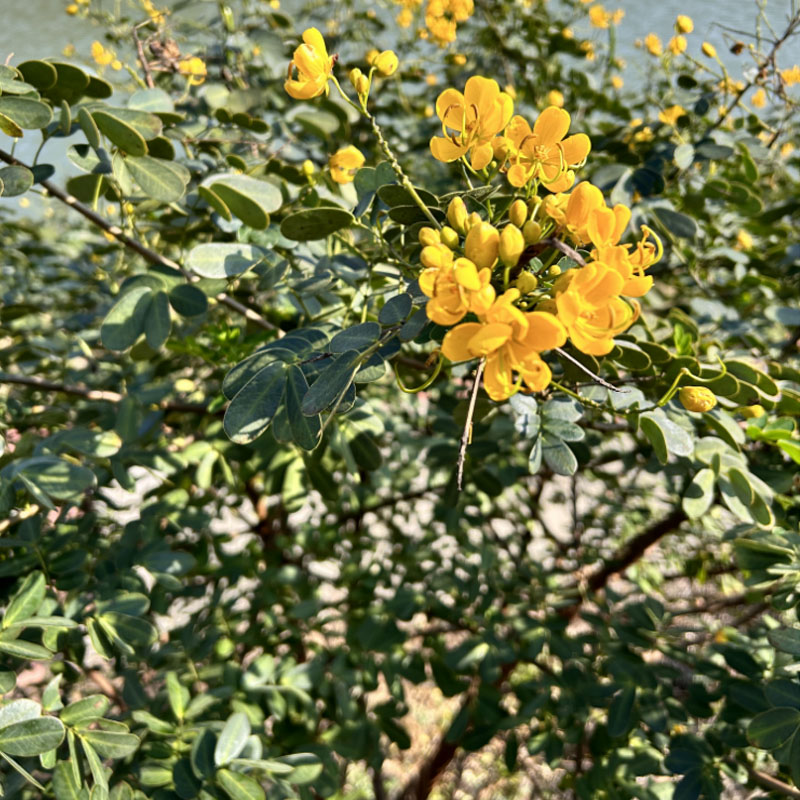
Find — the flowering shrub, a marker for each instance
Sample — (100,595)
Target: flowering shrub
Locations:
(393,407)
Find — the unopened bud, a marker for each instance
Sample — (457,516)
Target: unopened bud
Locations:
(386,63)
(308,168)
(531,232)
(526,283)
(518,212)
(472,220)
(457,214)
(449,237)
(554,271)
(482,245)
(355,75)
(697,398)
(512,244)
(428,236)
(752,412)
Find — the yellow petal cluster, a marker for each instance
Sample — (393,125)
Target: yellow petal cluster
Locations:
(442,18)
(511,341)
(314,67)
(470,121)
(344,164)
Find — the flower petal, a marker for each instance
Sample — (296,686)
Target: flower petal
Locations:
(551,125)
(576,148)
(490,337)
(455,345)
(445,149)
(481,155)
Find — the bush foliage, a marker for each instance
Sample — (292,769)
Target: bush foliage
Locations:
(346,452)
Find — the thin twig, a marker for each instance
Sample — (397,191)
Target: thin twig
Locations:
(132,244)
(148,75)
(592,375)
(92,394)
(571,252)
(466,436)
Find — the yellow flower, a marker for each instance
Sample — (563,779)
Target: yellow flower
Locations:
(589,306)
(482,245)
(568,33)
(454,287)
(386,63)
(752,412)
(709,50)
(791,76)
(759,99)
(588,50)
(405,18)
(195,68)
(371,56)
(344,164)
(474,118)
(599,17)
(684,24)
(431,79)
(555,98)
(744,241)
(787,148)
(617,82)
(677,45)
(511,341)
(542,153)
(101,54)
(71,9)
(653,44)
(669,116)
(314,67)
(442,16)
(697,398)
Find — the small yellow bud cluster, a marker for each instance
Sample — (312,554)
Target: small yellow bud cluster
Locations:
(359,81)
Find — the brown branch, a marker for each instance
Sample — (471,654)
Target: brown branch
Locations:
(773,784)
(568,251)
(93,394)
(466,436)
(148,75)
(132,244)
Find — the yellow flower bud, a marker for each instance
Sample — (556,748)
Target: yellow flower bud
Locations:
(435,256)
(709,50)
(428,237)
(363,85)
(697,398)
(457,214)
(482,245)
(684,24)
(386,63)
(531,232)
(518,212)
(371,56)
(355,76)
(554,271)
(472,220)
(512,244)
(555,98)
(308,168)
(526,283)
(752,412)
(449,237)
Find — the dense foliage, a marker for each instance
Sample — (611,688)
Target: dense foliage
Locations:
(355,445)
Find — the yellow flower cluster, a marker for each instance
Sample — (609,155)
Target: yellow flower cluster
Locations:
(105,56)
(601,18)
(474,267)
(314,67)
(479,123)
(443,16)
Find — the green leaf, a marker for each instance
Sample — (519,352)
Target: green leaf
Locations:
(306,767)
(791,448)
(665,436)
(306,429)
(86,709)
(177,693)
(155,178)
(254,405)
(25,112)
(359,338)
(332,383)
(684,155)
(250,199)
(699,494)
(395,310)
(66,785)
(120,133)
(19,711)
(15,181)
(317,223)
(770,729)
(620,713)
(125,322)
(41,74)
(233,738)
(59,479)
(27,650)
(111,744)
(89,127)
(558,455)
(238,786)
(787,640)
(214,260)
(188,300)
(157,323)
(32,737)
(10,128)
(26,600)
(680,225)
